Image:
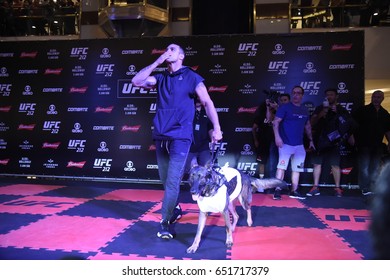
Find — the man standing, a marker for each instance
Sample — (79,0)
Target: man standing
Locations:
(173,131)
(290,123)
(373,124)
(325,122)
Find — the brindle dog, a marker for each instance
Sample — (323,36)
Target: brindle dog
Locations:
(215,190)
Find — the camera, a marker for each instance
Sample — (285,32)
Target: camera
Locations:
(272,96)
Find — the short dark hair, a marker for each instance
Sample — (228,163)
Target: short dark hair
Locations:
(303,91)
(285,95)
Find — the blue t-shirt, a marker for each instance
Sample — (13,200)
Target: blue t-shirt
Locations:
(175,104)
(293,123)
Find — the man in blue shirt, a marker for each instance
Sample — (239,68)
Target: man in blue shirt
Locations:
(173,130)
(290,123)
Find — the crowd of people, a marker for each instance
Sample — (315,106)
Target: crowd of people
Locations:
(329,128)
(38,17)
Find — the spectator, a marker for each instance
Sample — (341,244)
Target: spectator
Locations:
(373,124)
(290,123)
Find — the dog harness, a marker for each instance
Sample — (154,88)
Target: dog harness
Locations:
(218,202)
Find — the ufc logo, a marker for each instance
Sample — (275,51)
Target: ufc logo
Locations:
(310,85)
(77,143)
(276,65)
(105,68)
(248,46)
(51,124)
(5,87)
(153,107)
(79,51)
(128,88)
(27,106)
(101,162)
(247,166)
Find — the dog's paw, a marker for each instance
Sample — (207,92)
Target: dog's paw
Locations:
(229,244)
(192,249)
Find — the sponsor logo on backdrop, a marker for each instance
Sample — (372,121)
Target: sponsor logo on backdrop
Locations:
(248,167)
(77,109)
(347,105)
(309,48)
(156,51)
(278,87)
(24,162)
(247,89)
(3,72)
(102,163)
(5,89)
(77,145)
(26,127)
(3,127)
(218,70)
(153,108)
(129,147)
(279,67)
(78,71)
(26,145)
(3,144)
(341,66)
(247,68)
(250,49)
(103,127)
(278,50)
(54,146)
(127,90)
(53,54)
(152,166)
(345,47)
(189,51)
(131,52)
(222,110)
(130,109)
(311,87)
(104,89)
(52,90)
(243,129)
(56,71)
(250,110)
(310,69)
(5,109)
(77,128)
(130,166)
(247,150)
(103,147)
(105,53)
(131,70)
(342,88)
(107,110)
(220,147)
(27,90)
(52,110)
(81,90)
(217,89)
(152,147)
(50,164)
(79,164)
(105,69)
(217,50)
(29,54)
(4,161)
(80,53)
(52,126)
(6,54)
(28,71)
(27,108)
(134,128)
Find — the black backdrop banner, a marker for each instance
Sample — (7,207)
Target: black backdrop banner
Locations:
(68,108)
